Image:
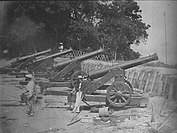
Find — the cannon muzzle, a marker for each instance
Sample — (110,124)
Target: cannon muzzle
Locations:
(129,64)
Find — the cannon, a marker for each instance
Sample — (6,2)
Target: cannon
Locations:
(19,62)
(42,62)
(119,93)
(61,72)
(66,68)
(29,57)
(20,59)
(35,65)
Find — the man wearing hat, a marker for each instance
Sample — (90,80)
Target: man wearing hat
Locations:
(79,95)
(30,94)
(60,47)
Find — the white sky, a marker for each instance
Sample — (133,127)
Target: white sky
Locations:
(153,14)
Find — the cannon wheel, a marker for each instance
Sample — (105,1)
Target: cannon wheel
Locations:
(118,94)
(74,77)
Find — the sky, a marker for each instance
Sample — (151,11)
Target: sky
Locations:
(153,14)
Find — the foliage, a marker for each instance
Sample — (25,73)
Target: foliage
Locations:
(19,33)
(121,26)
(114,25)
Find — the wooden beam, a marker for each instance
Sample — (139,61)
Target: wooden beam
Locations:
(132,76)
(50,84)
(136,100)
(171,82)
(153,82)
(142,80)
(147,82)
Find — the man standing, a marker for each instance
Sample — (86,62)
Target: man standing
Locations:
(5,52)
(30,94)
(79,95)
(60,47)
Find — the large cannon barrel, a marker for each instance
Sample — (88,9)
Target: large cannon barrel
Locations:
(54,55)
(33,55)
(80,58)
(129,64)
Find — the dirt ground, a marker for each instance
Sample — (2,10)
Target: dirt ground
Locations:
(54,118)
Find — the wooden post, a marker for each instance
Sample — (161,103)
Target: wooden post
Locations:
(154,80)
(160,88)
(148,80)
(142,80)
(164,87)
(170,82)
(159,84)
(127,73)
(139,74)
(129,76)
(170,93)
(131,80)
(161,75)
(137,79)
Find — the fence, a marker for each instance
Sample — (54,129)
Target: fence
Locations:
(75,53)
(153,82)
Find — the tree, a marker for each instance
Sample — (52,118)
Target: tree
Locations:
(22,29)
(120,26)
(114,25)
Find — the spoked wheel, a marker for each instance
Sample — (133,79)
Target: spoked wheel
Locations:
(118,94)
(75,77)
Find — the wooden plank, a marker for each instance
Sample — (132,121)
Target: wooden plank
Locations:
(134,79)
(135,99)
(142,80)
(153,82)
(130,75)
(148,80)
(160,87)
(171,82)
(127,73)
(170,93)
(139,75)
(137,80)
(131,79)
(165,86)
(161,76)
(175,92)
(51,84)
(102,98)
(56,92)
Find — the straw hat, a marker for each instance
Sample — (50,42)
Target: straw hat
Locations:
(29,76)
